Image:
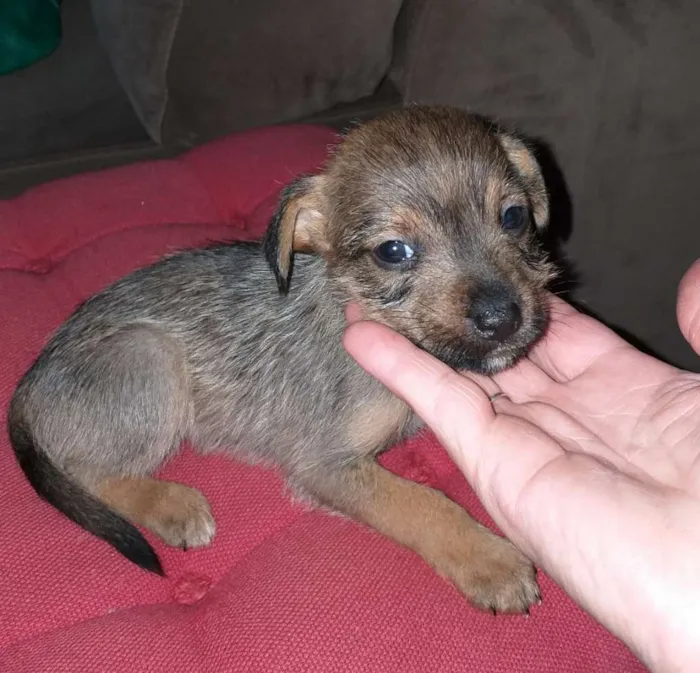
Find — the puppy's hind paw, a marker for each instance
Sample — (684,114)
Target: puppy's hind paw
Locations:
(185,520)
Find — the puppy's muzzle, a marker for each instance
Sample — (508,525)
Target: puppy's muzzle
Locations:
(494,314)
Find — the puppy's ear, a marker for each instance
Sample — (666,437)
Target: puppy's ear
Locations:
(299,225)
(524,161)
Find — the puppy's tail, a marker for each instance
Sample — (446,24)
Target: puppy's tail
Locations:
(77,504)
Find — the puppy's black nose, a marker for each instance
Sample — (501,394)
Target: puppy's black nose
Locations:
(494,315)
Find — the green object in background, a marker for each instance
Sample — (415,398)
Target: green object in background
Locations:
(29,31)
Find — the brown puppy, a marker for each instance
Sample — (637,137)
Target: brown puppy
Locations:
(427,218)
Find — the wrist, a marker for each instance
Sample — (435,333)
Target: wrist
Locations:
(626,551)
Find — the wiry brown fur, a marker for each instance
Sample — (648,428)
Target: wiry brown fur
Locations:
(210,346)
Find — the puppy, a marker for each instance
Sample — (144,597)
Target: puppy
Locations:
(427,218)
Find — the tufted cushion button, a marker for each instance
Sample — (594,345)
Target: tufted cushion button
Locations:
(191,588)
(40,266)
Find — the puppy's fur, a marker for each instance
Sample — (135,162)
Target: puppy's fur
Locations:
(238,348)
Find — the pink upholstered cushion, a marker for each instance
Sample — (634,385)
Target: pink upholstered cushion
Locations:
(282,589)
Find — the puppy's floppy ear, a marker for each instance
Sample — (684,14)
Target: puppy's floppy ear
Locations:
(524,161)
(297,226)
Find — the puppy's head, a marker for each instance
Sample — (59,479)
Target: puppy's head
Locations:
(428,218)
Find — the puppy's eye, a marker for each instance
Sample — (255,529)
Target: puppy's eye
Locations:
(391,253)
(515,219)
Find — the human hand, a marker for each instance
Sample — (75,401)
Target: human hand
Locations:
(589,462)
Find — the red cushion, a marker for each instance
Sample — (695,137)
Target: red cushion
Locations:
(282,589)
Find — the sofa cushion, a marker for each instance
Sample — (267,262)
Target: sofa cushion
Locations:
(282,588)
(201,69)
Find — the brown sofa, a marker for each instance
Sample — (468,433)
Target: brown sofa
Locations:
(611,87)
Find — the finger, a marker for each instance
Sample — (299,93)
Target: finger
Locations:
(688,306)
(525,381)
(568,432)
(498,454)
(455,408)
(572,342)
(486,383)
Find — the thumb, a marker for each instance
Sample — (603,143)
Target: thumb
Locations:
(454,407)
(688,306)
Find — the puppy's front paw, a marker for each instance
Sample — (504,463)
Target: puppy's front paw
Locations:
(495,576)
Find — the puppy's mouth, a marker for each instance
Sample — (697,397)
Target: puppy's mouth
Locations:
(466,360)
(486,358)
(494,362)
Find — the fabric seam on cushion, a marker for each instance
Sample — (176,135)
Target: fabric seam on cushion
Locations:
(169,50)
(422,18)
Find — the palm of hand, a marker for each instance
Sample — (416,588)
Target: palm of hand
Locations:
(599,450)
(594,394)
